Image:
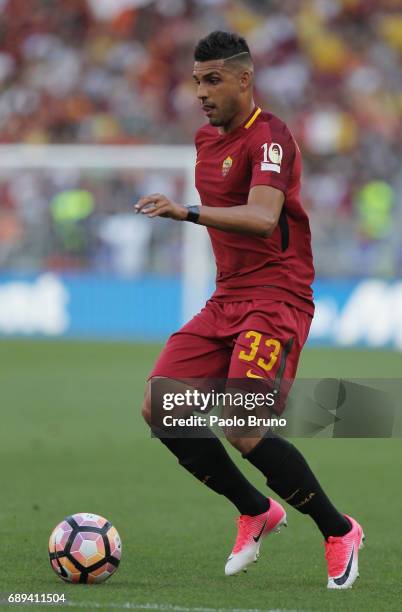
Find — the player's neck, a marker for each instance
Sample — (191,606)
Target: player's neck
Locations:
(238,119)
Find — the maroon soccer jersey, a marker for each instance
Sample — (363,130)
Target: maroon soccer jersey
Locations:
(261,151)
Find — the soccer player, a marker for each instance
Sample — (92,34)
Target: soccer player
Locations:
(255,324)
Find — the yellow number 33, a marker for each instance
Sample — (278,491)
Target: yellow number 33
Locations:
(254,346)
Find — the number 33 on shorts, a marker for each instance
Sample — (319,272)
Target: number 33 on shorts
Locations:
(260,352)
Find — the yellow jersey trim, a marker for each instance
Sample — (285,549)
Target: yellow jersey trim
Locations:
(253,118)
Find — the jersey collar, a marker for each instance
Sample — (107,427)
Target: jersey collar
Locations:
(247,123)
(250,120)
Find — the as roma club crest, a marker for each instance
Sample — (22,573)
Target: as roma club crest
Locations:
(226,165)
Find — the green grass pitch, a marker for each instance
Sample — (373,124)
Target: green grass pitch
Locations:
(72,441)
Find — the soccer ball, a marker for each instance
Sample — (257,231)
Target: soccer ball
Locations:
(84,548)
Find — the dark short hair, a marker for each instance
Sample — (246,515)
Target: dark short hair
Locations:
(220,45)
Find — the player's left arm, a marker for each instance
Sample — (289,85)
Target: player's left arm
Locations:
(258,217)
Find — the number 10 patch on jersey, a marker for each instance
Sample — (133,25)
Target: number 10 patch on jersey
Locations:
(272,157)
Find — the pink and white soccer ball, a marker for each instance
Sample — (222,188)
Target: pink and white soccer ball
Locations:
(84,548)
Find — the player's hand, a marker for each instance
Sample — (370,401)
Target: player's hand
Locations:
(158,205)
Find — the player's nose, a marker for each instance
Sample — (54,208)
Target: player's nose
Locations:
(201,93)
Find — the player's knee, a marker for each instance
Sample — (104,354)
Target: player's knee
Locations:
(146,406)
(146,411)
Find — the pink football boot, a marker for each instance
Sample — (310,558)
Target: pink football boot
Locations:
(250,532)
(342,555)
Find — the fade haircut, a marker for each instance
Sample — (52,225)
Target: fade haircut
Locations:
(221,45)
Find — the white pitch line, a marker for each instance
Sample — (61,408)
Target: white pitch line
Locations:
(165,607)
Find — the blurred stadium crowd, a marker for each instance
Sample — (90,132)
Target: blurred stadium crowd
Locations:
(119,71)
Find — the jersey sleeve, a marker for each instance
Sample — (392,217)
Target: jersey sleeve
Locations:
(272,157)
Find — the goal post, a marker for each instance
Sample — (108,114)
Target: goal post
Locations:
(196,261)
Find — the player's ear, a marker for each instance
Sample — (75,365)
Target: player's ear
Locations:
(246,80)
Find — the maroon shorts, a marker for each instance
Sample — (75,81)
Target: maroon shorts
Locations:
(248,339)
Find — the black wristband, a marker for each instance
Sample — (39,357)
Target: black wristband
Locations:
(193,214)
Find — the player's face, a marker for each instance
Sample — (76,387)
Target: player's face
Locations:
(219,89)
